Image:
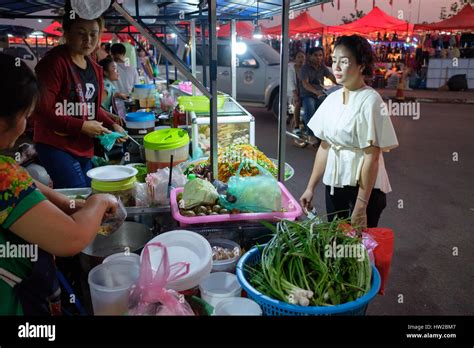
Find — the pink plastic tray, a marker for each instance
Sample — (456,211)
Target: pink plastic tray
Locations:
(293,210)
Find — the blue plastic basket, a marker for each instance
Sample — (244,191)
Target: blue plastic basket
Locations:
(274,307)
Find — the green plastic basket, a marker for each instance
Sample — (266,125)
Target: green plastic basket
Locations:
(199,103)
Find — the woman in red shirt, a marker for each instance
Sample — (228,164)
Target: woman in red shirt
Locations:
(68,115)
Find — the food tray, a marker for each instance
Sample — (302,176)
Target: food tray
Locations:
(293,211)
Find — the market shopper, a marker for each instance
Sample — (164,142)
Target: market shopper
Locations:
(294,87)
(354,133)
(127,72)
(68,114)
(110,76)
(312,83)
(147,66)
(35,221)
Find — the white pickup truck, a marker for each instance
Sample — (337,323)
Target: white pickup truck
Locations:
(258,71)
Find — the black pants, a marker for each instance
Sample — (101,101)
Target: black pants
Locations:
(344,199)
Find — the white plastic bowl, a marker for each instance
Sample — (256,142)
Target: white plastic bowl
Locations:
(225,265)
(219,286)
(237,306)
(184,246)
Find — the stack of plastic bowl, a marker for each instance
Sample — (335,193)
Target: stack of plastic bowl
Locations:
(184,246)
(219,286)
(237,306)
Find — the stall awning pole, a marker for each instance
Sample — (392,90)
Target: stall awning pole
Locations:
(193,51)
(167,53)
(284,52)
(233,72)
(211,8)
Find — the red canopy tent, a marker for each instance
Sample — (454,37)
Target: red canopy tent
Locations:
(303,23)
(375,20)
(243,29)
(54,28)
(463,20)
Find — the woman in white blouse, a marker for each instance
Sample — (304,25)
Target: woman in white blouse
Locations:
(355,130)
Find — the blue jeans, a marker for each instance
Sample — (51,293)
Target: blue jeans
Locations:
(65,169)
(310,105)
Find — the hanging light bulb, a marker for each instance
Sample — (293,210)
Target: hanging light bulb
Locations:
(257,33)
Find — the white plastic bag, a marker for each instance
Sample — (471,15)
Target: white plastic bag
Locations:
(158,184)
(90,9)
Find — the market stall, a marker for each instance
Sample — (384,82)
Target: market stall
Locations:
(446,53)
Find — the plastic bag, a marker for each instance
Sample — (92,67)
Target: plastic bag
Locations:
(142,197)
(369,243)
(383,252)
(199,192)
(90,9)
(111,224)
(108,140)
(260,193)
(158,184)
(149,295)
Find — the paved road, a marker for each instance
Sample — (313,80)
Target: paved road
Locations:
(437,214)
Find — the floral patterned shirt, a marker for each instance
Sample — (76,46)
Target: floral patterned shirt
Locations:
(18,194)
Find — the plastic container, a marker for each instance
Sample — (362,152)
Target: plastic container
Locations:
(274,307)
(123,189)
(184,246)
(129,257)
(219,286)
(225,265)
(161,144)
(145,94)
(237,306)
(109,285)
(140,123)
(199,103)
(291,205)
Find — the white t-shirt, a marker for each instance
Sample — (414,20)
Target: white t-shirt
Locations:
(350,128)
(292,79)
(128,78)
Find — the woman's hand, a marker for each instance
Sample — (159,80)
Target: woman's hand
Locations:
(117,119)
(359,217)
(305,200)
(117,128)
(109,200)
(93,128)
(122,96)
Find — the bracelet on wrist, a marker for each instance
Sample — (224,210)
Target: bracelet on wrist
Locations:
(363,200)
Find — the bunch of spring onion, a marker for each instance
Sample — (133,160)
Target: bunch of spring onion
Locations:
(295,267)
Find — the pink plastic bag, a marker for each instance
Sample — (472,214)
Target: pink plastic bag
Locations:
(369,243)
(149,295)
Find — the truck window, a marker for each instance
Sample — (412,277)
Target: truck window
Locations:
(267,53)
(23,53)
(11,51)
(247,60)
(223,55)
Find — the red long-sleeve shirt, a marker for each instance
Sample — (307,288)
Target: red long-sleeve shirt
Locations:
(63,132)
